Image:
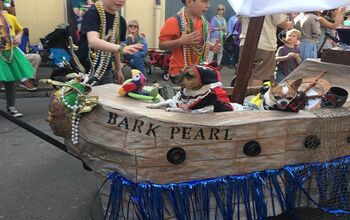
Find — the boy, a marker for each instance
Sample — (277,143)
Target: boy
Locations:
(288,55)
(187,35)
(264,59)
(105,16)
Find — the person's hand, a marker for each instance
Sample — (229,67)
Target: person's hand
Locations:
(293,55)
(340,11)
(131,49)
(190,38)
(17,40)
(130,38)
(290,24)
(119,77)
(216,47)
(290,55)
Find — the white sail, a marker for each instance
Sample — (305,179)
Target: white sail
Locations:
(254,8)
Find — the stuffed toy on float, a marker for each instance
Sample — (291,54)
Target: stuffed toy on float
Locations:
(135,88)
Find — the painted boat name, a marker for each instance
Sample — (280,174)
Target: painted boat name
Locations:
(172,132)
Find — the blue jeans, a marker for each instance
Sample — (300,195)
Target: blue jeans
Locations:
(137,63)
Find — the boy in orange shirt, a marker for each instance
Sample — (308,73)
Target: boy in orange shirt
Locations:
(187,35)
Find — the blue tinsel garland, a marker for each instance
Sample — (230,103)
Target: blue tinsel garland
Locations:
(191,200)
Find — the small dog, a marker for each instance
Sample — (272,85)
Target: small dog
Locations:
(283,96)
(201,92)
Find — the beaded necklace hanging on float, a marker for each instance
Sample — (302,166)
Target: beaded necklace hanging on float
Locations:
(194,53)
(5,37)
(101,57)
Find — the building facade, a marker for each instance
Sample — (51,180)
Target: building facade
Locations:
(42,17)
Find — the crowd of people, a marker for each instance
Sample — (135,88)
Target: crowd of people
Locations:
(191,38)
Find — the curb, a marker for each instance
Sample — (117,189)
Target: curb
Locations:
(20,93)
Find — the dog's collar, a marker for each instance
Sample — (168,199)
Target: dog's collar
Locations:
(214,85)
(187,102)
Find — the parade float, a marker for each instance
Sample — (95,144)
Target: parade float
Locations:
(227,165)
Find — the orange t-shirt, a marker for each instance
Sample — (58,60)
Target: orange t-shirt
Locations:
(171,31)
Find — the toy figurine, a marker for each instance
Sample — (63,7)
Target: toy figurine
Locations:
(134,87)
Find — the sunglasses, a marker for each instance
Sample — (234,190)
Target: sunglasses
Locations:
(221,9)
(132,26)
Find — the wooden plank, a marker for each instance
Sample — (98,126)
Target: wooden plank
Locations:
(259,163)
(300,126)
(273,129)
(157,157)
(188,171)
(269,146)
(135,140)
(336,56)
(245,64)
(295,142)
(95,129)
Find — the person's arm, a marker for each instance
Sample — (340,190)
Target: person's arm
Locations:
(281,21)
(77,12)
(337,22)
(297,58)
(119,76)
(18,37)
(185,39)
(18,31)
(98,44)
(290,55)
(213,24)
(145,47)
(279,55)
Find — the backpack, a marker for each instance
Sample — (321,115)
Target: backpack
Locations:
(230,39)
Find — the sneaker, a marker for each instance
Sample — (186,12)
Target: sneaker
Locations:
(13,111)
(2,87)
(28,85)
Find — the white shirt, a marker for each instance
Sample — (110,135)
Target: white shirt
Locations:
(268,39)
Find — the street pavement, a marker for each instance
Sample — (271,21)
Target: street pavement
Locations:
(39,181)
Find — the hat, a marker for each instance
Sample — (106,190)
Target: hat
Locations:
(208,74)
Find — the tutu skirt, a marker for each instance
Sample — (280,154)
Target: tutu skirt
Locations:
(18,69)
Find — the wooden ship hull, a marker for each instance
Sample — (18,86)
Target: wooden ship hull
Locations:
(122,135)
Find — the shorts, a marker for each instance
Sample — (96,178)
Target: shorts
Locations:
(264,64)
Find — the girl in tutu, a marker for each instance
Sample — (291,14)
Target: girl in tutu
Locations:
(13,64)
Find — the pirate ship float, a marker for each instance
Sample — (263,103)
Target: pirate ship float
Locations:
(240,165)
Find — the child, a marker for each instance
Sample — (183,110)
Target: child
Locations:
(309,26)
(288,55)
(13,64)
(187,35)
(105,43)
